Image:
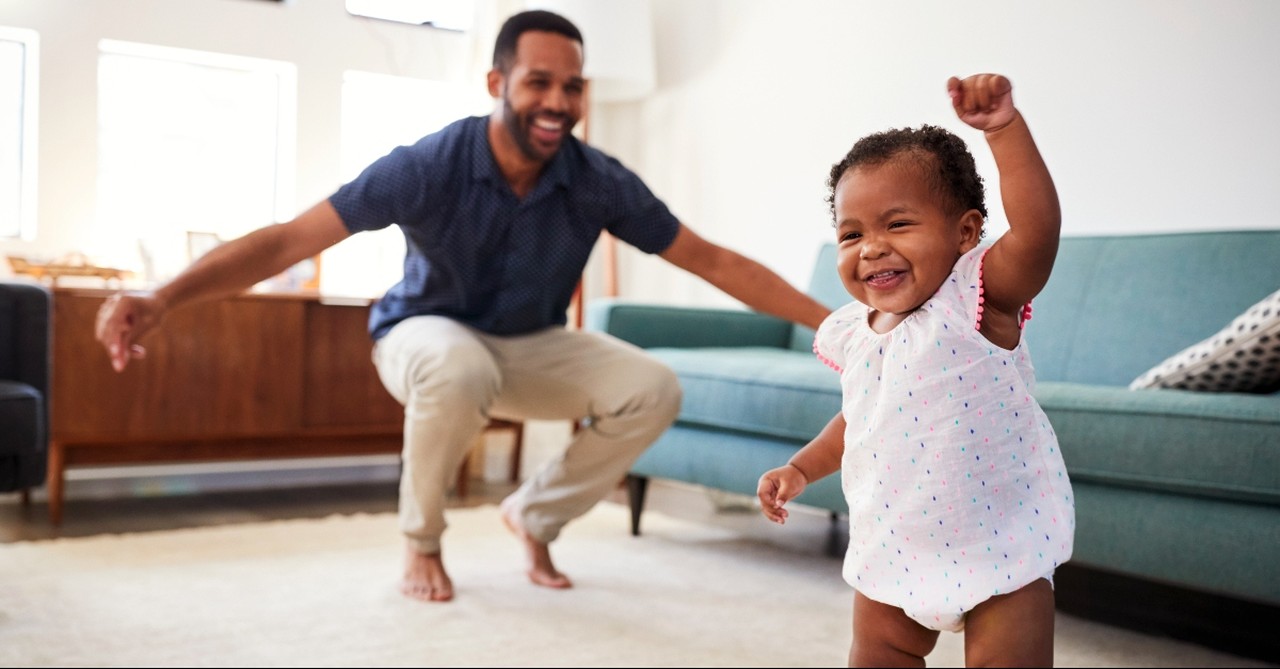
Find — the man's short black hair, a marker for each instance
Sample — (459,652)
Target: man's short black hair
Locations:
(504,48)
(942,157)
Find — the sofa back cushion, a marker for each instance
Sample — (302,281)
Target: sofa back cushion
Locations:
(1116,306)
(825,287)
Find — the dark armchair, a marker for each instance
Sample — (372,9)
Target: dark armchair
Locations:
(25,359)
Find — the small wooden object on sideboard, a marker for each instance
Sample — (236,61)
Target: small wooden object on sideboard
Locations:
(258,376)
(73,264)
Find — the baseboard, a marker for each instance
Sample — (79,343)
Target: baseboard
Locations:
(197,478)
(1232,625)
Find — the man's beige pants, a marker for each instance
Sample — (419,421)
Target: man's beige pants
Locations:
(452,378)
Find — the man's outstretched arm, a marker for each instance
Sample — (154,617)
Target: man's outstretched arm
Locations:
(744,279)
(226,270)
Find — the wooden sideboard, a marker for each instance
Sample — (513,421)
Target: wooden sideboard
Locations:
(250,377)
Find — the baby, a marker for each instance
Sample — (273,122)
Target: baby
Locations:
(959,504)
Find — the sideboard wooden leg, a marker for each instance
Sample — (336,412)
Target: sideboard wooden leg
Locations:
(54,482)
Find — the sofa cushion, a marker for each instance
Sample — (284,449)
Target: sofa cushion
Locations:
(771,391)
(1213,546)
(1225,445)
(1222,445)
(1243,357)
(731,461)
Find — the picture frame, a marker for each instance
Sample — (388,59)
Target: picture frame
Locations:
(302,277)
(200,243)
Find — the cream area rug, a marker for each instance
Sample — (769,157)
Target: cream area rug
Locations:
(323,593)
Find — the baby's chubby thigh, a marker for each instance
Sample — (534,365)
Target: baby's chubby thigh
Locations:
(885,635)
(1014,629)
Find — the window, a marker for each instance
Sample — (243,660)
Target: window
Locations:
(379,113)
(191,141)
(19,53)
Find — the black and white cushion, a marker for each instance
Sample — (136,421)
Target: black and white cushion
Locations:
(1243,357)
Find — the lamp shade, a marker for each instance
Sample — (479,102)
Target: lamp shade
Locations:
(618,45)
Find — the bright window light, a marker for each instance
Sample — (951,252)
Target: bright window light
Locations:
(190,141)
(379,113)
(19,55)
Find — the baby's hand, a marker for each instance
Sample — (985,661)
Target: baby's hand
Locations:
(984,101)
(776,488)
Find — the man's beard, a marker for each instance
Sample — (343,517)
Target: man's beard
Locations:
(518,126)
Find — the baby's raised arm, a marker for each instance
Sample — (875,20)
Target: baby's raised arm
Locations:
(1018,264)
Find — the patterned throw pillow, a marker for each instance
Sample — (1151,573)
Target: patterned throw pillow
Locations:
(1243,357)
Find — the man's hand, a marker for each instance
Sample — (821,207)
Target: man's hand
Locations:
(984,101)
(122,320)
(776,488)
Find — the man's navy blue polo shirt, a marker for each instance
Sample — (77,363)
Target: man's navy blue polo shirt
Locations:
(478,254)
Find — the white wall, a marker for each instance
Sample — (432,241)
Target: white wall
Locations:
(1153,115)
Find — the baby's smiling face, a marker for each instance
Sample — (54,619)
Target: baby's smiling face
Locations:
(897,243)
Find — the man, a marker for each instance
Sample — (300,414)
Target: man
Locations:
(500,214)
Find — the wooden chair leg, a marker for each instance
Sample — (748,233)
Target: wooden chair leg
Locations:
(463,484)
(26,498)
(517,448)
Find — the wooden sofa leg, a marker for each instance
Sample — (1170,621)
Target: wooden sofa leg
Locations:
(636,488)
(837,539)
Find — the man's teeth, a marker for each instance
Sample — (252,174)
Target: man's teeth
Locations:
(548,125)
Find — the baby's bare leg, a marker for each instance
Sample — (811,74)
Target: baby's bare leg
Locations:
(1013,630)
(885,636)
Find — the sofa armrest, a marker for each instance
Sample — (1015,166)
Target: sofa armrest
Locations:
(656,326)
(25,333)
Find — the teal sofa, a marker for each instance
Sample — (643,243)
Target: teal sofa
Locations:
(1174,487)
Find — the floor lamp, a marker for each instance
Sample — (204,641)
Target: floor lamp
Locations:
(619,67)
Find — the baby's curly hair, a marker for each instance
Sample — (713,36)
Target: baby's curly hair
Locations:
(942,157)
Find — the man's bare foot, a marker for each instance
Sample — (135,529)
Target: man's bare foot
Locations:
(541,571)
(425,577)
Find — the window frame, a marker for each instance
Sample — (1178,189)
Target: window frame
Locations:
(29,120)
